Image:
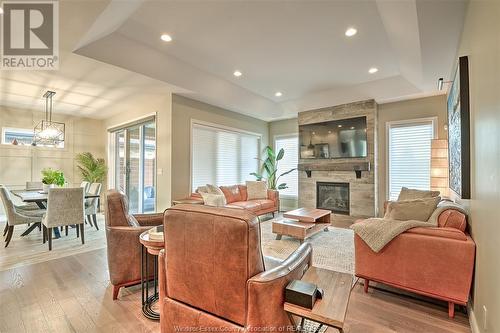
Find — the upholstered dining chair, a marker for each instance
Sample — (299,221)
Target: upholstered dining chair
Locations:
(32,186)
(122,235)
(86,186)
(91,204)
(16,216)
(64,208)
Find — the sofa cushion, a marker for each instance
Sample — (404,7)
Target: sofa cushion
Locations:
(264,203)
(211,199)
(256,190)
(412,194)
(248,205)
(452,218)
(232,193)
(419,210)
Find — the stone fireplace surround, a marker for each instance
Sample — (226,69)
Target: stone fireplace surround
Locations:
(363,194)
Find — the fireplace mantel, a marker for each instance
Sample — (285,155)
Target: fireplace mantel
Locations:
(357,167)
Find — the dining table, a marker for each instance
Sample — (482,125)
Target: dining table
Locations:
(40,199)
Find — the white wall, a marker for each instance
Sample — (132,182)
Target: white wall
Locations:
(19,164)
(481,43)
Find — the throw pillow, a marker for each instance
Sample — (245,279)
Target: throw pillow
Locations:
(202,189)
(216,200)
(412,194)
(419,209)
(212,189)
(256,190)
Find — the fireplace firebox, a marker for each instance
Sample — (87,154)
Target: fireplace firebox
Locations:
(333,196)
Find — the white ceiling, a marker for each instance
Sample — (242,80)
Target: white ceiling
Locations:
(84,87)
(296,47)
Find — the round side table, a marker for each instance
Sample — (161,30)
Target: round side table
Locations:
(150,247)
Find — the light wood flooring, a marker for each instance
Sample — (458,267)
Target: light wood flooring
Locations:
(73,294)
(29,249)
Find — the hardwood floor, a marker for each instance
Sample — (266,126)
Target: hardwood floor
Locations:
(73,294)
(29,249)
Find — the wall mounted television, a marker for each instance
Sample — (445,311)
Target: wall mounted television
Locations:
(343,138)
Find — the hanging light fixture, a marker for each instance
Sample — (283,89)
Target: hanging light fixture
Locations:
(48,132)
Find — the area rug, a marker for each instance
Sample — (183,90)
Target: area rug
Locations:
(332,249)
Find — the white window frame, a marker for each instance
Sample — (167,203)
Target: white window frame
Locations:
(30,131)
(229,129)
(388,125)
(286,136)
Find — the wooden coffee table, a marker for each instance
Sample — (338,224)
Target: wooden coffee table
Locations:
(302,223)
(330,310)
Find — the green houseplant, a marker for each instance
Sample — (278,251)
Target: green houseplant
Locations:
(269,168)
(52,178)
(92,169)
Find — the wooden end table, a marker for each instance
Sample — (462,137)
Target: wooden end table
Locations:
(150,247)
(330,310)
(302,223)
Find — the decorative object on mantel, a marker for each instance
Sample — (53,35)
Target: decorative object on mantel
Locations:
(269,169)
(51,178)
(439,166)
(459,131)
(48,132)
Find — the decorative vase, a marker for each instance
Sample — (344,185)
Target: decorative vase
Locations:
(45,187)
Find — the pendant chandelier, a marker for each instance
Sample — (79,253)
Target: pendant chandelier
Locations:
(48,132)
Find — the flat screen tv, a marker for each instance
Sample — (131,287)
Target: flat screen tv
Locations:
(345,138)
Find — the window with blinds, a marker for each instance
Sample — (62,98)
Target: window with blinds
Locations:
(409,157)
(222,157)
(290,161)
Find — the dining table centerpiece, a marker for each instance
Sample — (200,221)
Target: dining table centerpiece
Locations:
(52,178)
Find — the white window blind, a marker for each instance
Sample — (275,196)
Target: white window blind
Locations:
(409,155)
(222,157)
(290,161)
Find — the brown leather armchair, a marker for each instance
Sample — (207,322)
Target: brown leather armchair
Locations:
(212,273)
(122,234)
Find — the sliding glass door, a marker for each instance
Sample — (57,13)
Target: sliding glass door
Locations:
(135,165)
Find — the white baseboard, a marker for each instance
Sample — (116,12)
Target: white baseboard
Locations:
(472,320)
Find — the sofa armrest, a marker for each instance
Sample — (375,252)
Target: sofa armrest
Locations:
(124,253)
(162,279)
(149,220)
(266,290)
(451,233)
(274,195)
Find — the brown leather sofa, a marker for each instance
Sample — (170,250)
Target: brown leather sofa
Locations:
(213,276)
(237,197)
(122,234)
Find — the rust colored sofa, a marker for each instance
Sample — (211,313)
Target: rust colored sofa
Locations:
(236,197)
(437,262)
(122,236)
(213,277)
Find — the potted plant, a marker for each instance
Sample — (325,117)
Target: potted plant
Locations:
(52,178)
(93,170)
(269,168)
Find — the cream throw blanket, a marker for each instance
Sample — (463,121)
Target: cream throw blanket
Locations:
(378,232)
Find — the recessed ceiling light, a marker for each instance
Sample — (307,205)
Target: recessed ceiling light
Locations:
(278,94)
(339,126)
(166,38)
(373,70)
(352,127)
(1,10)
(351,32)
(237,73)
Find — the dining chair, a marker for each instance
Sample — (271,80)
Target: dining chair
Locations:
(16,216)
(65,207)
(32,186)
(86,186)
(91,204)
